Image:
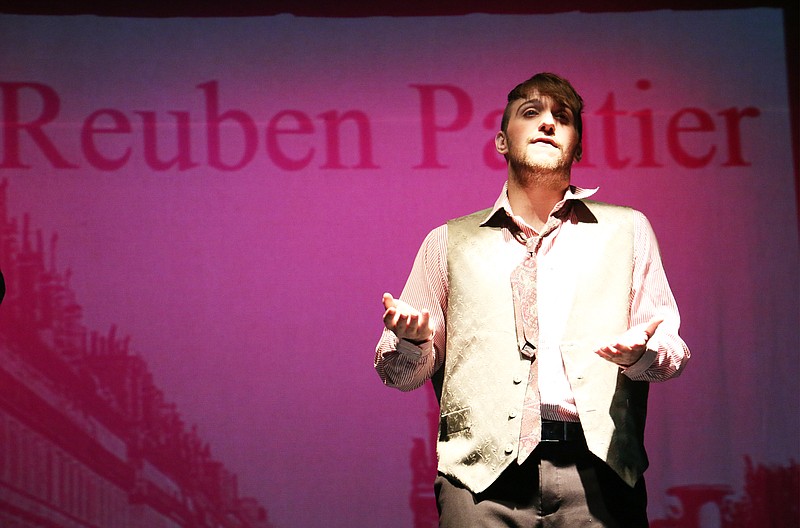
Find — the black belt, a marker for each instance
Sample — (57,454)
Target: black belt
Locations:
(553,431)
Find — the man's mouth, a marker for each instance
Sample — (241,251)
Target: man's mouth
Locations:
(547,141)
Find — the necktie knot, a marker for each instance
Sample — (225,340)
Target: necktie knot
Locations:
(532,244)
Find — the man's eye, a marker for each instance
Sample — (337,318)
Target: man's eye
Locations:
(530,113)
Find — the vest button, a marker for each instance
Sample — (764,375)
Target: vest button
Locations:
(512,414)
(517,379)
(509,449)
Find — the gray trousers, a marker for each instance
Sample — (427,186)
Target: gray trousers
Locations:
(561,484)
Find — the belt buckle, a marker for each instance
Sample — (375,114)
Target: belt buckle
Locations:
(554,427)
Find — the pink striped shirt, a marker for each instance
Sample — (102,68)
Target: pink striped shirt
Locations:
(406,366)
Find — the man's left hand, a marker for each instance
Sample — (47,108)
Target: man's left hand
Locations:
(631,345)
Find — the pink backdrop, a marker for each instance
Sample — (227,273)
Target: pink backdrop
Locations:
(235,194)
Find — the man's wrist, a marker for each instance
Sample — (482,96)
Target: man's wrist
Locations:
(409,348)
(642,364)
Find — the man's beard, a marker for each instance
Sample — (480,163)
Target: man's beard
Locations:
(553,173)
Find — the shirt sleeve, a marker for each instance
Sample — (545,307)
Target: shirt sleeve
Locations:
(666,353)
(401,363)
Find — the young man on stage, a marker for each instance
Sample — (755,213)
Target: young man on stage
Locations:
(541,322)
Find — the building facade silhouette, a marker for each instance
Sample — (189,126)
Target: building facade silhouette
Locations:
(86,437)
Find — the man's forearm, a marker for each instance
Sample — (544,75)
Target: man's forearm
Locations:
(402,364)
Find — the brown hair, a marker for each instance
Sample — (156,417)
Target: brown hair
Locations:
(556,87)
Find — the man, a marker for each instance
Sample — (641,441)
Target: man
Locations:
(541,322)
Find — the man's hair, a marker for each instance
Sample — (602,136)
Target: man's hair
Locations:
(555,87)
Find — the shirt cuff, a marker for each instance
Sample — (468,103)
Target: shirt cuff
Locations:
(646,361)
(410,350)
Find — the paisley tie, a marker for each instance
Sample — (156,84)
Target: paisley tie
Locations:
(523,287)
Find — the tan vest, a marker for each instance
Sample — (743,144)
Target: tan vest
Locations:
(482,385)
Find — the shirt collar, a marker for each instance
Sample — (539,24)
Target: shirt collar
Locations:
(502,208)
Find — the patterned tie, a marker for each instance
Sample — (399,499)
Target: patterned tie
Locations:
(523,286)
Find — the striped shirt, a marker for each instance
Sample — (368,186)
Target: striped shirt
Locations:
(406,366)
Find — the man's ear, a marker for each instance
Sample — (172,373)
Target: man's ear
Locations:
(501,143)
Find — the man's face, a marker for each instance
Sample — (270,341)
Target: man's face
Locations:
(540,136)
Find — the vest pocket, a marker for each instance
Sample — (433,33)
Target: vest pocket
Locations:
(454,423)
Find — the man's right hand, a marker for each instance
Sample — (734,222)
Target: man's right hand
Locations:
(405,321)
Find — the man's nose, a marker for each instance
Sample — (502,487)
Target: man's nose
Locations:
(547,123)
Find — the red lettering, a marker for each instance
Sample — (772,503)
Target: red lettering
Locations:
(609,114)
(430,128)
(332,123)
(702,123)
(89,130)
(213,120)
(107,141)
(733,117)
(182,157)
(302,125)
(12,126)
(646,135)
